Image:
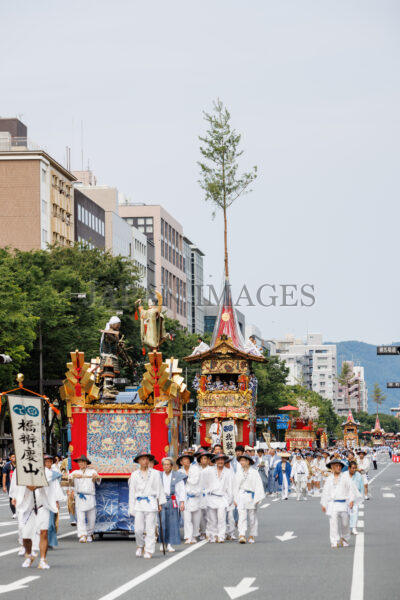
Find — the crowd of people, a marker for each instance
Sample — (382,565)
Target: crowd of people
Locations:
(205,493)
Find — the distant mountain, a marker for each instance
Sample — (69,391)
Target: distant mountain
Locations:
(377,369)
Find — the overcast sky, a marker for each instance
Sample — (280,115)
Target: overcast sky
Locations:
(314,88)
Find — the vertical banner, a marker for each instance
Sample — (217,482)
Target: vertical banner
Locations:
(228,437)
(26,422)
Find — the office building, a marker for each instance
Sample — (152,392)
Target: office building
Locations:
(89,221)
(354,396)
(167,236)
(312,364)
(36,193)
(193,262)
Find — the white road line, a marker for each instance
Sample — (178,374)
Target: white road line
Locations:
(379,474)
(276,500)
(389,495)
(64,535)
(360,523)
(7,524)
(15,531)
(361,513)
(154,571)
(9,552)
(265,505)
(357,584)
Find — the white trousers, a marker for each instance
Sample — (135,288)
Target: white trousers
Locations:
(83,528)
(230,523)
(146,521)
(339,526)
(191,524)
(203,521)
(285,488)
(250,515)
(354,516)
(217,522)
(301,487)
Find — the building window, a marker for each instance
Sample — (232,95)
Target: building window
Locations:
(102,228)
(44,236)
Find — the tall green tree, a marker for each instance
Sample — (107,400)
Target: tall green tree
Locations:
(378,397)
(271,377)
(219,166)
(346,375)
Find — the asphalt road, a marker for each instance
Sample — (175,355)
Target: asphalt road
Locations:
(304,567)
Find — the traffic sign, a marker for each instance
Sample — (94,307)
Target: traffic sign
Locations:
(393,384)
(282,425)
(283,418)
(388,350)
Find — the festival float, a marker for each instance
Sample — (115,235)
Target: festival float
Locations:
(226,386)
(112,427)
(377,433)
(301,430)
(350,432)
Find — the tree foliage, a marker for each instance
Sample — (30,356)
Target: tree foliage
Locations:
(377,396)
(367,422)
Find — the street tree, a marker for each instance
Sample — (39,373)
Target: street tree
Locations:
(378,397)
(346,375)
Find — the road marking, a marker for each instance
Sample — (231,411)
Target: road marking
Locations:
(357,584)
(380,473)
(360,523)
(6,524)
(288,535)
(17,585)
(64,535)
(154,571)
(242,588)
(275,500)
(9,552)
(265,505)
(361,513)
(389,495)
(386,488)
(8,533)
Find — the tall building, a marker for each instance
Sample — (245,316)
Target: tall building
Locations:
(193,262)
(36,195)
(312,364)
(353,397)
(167,235)
(118,234)
(89,221)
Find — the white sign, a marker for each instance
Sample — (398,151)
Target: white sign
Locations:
(229,437)
(26,422)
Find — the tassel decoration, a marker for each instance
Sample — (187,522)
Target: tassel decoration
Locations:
(144,351)
(136,316)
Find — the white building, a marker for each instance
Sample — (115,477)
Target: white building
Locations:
(312,364)
(355,395)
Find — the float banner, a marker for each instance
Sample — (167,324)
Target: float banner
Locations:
(26,422)
(228,437)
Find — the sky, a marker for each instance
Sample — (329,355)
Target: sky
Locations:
(314,89)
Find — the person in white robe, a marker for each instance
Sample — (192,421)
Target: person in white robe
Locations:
(146,497)
(248,493)
(16,493)
(215,432)
(338,498)
(193,487)
(35,505)
(85,481)
(251,348)
(203,459)
(364,465)
(298,476)
(230,511)
(200,348)
(218,484)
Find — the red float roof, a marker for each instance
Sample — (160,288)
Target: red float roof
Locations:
(226,323)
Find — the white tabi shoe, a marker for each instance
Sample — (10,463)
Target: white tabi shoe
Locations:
(139,552)
(43,564)
(28,562)
(251,540)
(35,553)
(89,539)
(147,555)
(354,531)
(83,539)
(21,551)
(344,543)
(186,541)
(170,548)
